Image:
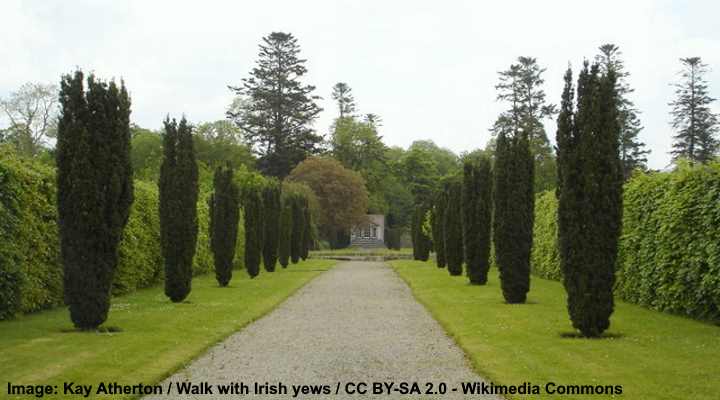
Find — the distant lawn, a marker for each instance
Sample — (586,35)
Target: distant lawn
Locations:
(157,338)
(654,356)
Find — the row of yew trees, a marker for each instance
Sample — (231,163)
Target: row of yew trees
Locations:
(95,192)
(492,204)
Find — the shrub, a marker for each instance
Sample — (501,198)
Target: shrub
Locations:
(224,206)
(254,229)
(453,229)
(297,241)
(95,191)
(271,221)
(178,188)
(545,258)
(438,227)
(477,217)
(286,227)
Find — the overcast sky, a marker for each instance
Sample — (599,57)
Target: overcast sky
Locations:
(428,68)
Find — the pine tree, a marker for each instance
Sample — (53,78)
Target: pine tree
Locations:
(438,227)
(453,228)
(696,124)
(589,192)
(254,228)
(514,208)
(286,229)
(178,188)
(477,215)
(297,239)
(342,94)
(224,220)
(271,220)
(632,151)
(278,114)
(94,191)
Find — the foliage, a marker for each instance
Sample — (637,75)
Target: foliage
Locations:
(178,188)
(279,110)
(342,94)
(393,238)
(146,153)
(513,217)
(220,142)
(693,119)
(297,238)
(422,243)
(453,228)
(477,218)
(32,112)
(589,197)
(95,191)
(286,229)
(224,205)
(341,193)
(545,257)
(31,275)
(439,208)
(271,222)
(308,237)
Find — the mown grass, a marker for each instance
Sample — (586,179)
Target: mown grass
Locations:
(651,354)
(157,337)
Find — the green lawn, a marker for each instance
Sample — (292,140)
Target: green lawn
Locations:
(157,337)
(653,355)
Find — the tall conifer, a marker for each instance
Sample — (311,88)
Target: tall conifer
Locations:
(254,228)
(224,220)
(271,220)
(453,228)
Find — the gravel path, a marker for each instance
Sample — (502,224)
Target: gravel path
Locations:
(357,322)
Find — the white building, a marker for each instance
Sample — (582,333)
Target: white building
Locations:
(370,233)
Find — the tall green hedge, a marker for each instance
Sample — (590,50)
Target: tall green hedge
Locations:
(669,250)
(30,270)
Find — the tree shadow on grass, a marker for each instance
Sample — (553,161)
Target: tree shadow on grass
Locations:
(578,335)
(101,329)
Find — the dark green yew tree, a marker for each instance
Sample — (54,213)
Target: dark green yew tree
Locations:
(307,232)
(178,187)
(514,210)
(254,228)
(271,219)
(224,219)
(94,191)
(453,226)
(286,227)
(297,237)
(590,174)
(438,227)
(477,217)
(422,243)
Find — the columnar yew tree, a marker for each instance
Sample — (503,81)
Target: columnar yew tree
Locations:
(477,217)
(286,227)
(271,220)
(453,228)
(438,227)
(224,219)
(589,197)
(297,239)
(514,208)
(178,188)
(421,241)
(307,232)
(95,191)
(254,228)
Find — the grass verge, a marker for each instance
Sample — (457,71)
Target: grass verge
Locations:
(157,337)
(651,354)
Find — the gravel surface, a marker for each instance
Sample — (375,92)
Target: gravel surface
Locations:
(357,322)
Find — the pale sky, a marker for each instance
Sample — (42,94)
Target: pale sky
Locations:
(427,68)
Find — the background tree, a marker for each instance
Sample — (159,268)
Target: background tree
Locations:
(342,94)
(693,119)
(521,87)
(94,191)
(513,221)
(218,142)
(589,197)
(477,217)
(297,239)
(32,112)
(254,228)
(341,193)
(146,153)
(453,225)
(271,221)
(178,188)
(438,227)
(286,229)
(632,150)
(224,219)
(278,114)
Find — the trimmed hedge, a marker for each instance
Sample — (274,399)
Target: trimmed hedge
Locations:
(670,248)
(30,270)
